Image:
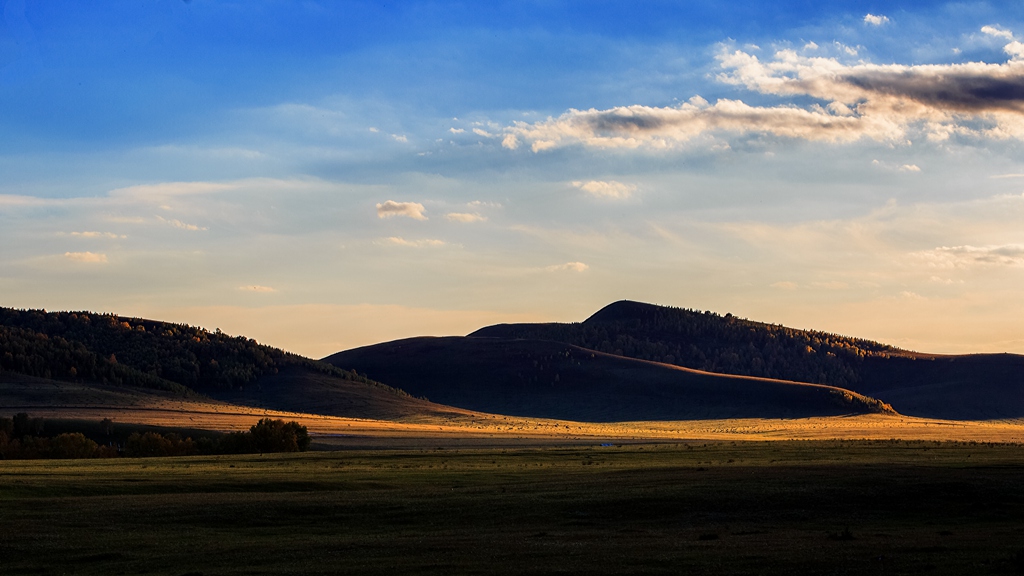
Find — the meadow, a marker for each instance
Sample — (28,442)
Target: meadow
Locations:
(779,507)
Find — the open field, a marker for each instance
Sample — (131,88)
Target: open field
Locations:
(53,399)
(696,508)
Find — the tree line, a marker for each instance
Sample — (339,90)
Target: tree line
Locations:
(24,437)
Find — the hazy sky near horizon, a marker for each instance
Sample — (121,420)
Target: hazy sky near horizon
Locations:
(322,175)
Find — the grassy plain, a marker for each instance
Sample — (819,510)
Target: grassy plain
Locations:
(780,507)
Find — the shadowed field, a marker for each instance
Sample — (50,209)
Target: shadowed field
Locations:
(719,508)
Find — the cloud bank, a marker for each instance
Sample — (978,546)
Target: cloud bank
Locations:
(859,100)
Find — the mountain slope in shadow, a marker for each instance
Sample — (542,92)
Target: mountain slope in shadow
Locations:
(547,379)
(978,386)
(295,389)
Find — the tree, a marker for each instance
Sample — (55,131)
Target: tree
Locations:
(72,445)
(279,436)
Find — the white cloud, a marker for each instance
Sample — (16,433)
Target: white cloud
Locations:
(606,189)
(257,288)
(465,217)
(910,168)
(391,208)
(568,266)
(481,132)
(400,138)
(875,19)
(510,141)
(425,243)
(87,257)
(997,32)
(456,130)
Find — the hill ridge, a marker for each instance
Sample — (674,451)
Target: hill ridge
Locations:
(934,385)
(549,379)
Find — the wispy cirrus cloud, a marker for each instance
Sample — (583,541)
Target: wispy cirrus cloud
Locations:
(465,217)
(423,243)
(94,234)
(390,208)
(859,100)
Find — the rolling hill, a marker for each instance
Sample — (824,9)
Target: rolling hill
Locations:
(67,358)
(629,361)
(979,386)
(547,379)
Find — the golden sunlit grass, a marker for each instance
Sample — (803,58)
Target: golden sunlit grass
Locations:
(164,411)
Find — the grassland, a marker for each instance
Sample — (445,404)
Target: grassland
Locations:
(782,507)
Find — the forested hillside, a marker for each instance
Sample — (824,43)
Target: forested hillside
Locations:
(711,342)
(138,352)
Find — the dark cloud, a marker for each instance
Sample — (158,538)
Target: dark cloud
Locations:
(951,91)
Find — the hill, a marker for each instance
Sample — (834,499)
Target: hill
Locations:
(78,356)
(547,379)
(955,387)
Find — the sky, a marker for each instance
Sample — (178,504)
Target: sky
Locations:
(325,175)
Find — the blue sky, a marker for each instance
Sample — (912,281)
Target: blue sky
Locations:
(321,175)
